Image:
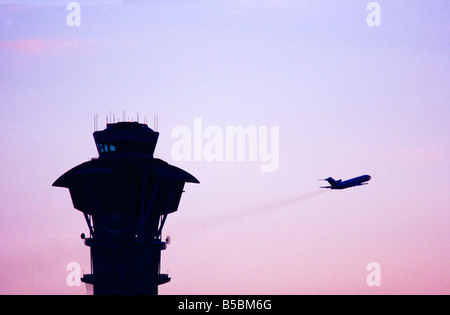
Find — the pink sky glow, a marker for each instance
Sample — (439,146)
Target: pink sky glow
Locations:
(348,99)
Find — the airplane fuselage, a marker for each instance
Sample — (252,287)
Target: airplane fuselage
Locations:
(339,184)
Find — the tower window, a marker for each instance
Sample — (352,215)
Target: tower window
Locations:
(107,148)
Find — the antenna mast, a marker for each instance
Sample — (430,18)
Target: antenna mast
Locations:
(155,122)
(95,122)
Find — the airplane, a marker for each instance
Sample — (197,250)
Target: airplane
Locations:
(339,184)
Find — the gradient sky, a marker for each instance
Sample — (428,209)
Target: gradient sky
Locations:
(349,99)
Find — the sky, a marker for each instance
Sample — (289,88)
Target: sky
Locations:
(346,98)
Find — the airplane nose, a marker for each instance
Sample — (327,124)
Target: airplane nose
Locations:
(370,177)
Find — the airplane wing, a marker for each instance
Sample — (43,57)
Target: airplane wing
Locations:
(325,187)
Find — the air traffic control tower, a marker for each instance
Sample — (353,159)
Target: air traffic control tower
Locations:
(125,196)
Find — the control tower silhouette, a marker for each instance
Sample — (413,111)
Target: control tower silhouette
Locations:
(125,196)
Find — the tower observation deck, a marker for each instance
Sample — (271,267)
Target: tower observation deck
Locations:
(125,196)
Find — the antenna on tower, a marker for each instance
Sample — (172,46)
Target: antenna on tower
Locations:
(155,122)
(96,122)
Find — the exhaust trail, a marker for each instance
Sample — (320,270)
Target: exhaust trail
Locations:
(283,203)
(230,217)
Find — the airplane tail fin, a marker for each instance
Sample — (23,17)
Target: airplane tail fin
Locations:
(331,181)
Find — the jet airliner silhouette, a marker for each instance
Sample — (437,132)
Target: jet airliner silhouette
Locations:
(339,184)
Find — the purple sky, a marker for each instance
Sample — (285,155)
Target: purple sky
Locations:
(349,99)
